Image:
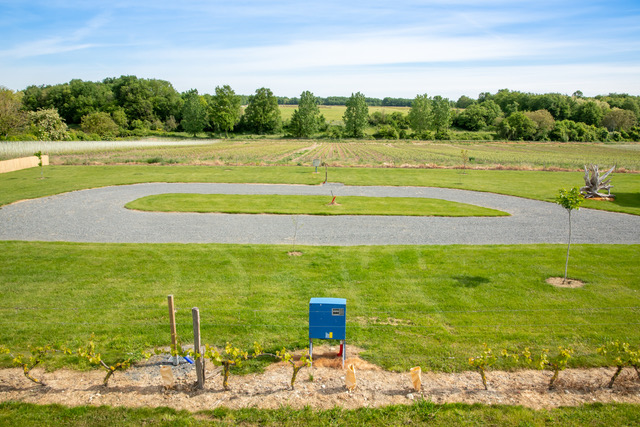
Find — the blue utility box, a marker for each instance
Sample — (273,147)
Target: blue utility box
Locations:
(327,320)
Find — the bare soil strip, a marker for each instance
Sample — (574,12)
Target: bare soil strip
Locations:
(142,386)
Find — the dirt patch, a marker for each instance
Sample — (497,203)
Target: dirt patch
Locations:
(322,386)
(294,253)
(559,282)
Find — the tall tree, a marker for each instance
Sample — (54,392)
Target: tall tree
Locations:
(420,114)
(225,108)
(194,113)
(262,114)
(12,119)
(305,120)
(441,116)
(356,116)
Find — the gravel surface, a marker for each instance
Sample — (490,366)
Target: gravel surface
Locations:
(98,215)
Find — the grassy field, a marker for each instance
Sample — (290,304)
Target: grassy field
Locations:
(538,185)
(420,413)
(531,155)
(307,205)
(407,305)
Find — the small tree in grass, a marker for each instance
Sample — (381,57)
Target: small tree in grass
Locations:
(570,200)
(39,156)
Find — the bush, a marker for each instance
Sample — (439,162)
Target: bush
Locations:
(386,132)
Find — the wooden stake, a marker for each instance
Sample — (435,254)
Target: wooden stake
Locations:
(172,322)
(197,347)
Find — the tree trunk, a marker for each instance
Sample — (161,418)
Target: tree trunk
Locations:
(566,264)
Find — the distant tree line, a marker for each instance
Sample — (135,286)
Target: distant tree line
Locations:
(128,106)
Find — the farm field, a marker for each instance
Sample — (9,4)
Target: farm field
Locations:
(407,305)
(482,155)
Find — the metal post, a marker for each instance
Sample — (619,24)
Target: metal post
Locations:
(344,351)
(197,347)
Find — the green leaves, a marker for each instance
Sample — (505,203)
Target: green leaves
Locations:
(570,199)
(356,115)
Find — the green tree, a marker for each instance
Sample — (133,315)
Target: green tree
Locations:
(441,117)
(464,102)
(590,112)
(420,114)
(226,108)
(262,115)
(100,124)
(619,120)
(544,123)
(12,118)
(194,113)
(47,125)
(570,200)
(356,116)
(517,127)
(306,118)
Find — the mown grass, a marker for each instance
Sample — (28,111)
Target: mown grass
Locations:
(26,184)
(420,413)
(307,205)
(432,306)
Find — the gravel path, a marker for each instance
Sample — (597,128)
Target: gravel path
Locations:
(98,215)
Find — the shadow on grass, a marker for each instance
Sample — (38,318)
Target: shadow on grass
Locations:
(471,281)
(628,200)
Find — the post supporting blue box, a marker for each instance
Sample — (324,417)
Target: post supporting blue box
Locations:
(327,320)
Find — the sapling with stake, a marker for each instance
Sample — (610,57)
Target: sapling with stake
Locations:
(570,200)
(39,156)
(465,160)
(304,361)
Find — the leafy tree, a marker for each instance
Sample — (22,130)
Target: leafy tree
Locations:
(307,117)
(464,102)
(544,122)
(589,112)
(570,200)
(356,116)
(441,116)
(47,125)
(262,114)
(618,120)
(420,114)
(12,118)
(473,118)
(194,113)
(226,108)
(100,124)
(517,127)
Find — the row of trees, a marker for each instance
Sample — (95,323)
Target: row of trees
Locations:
(128,106)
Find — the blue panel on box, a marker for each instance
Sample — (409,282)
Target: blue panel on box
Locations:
(327,318)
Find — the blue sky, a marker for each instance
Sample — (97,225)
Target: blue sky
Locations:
(394,48)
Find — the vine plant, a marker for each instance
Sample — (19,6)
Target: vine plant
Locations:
(482,362)
(27,363)
(620,355)
(89,353)
(304,361)
(555,363)
(230,356)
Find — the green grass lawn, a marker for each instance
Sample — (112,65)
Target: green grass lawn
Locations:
(25,184)
(307,205)
(420,413)
(432,306)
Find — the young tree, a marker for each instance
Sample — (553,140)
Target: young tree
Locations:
(225,108)
(262,114)
(305,120)
(420,114)
(570,200)
(194,113)
(356,116)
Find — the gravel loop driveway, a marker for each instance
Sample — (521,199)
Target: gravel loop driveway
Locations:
(99,215)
